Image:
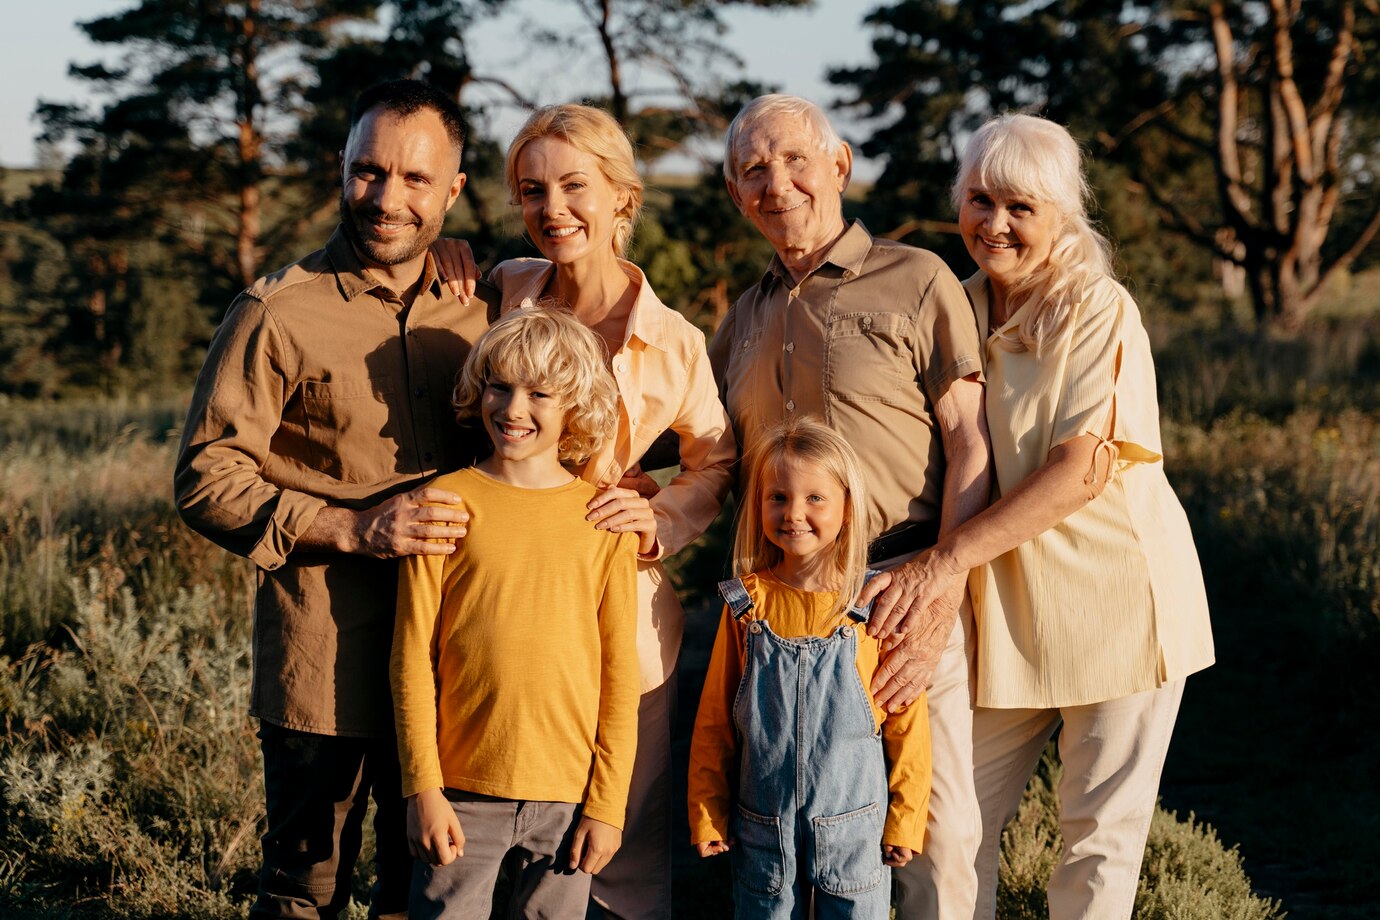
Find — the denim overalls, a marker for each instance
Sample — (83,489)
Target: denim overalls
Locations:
(812,779)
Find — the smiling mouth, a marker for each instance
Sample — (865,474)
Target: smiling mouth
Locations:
(994,244)
(513,434)
(387,227)
(560,233)
(786,210)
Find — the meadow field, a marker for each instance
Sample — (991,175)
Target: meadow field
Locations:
(129,768)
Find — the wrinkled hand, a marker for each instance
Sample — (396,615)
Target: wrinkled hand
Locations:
(713,847)
(455,263)
(594,845)
(433,830)
(909,659)
(904,598)
(422,522)
(622,511)
(639,482)
(896,857)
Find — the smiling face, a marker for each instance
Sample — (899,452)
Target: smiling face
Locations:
(789,187)
(524,422)
(1009,236)
(568,206)
(804,508)
(399,178)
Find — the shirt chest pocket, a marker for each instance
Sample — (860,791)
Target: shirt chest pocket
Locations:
(354,428)
(870,356)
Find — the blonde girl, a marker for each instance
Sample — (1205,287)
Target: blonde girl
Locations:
(830,790)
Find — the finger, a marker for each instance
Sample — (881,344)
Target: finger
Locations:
(431,494)
(884,618)
(577,847)
(471,270)
(427,548)
(886,680)
(876,585)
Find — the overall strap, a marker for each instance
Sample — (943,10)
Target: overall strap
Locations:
(864,613)
(736,597)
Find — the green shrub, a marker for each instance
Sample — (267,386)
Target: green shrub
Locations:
(1187,873)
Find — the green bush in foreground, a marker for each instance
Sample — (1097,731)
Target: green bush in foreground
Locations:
(1187,873)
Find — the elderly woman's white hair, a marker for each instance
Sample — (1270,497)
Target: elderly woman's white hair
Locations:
(1027,157)
(764,107)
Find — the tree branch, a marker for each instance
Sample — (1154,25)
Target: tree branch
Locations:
(1294,109)
(1228,160)
(1344,260)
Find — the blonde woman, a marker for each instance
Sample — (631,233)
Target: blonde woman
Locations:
(572,172)
(1085,583)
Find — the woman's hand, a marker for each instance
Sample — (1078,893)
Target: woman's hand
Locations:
(904,599)
(634,478)
(713,847)
(455,263)
(433,831)
(622,511)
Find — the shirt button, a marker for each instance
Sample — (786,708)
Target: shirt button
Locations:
(790,347)
(867,321)
(790,405)
(419,392)
(622,367)
(756,627)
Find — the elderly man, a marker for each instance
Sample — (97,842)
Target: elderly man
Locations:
(323,403)
(878,339)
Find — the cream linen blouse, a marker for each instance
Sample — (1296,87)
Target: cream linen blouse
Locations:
(664,381)
(1109,601)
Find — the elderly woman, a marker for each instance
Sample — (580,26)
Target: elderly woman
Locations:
(1085,583)
(571,170)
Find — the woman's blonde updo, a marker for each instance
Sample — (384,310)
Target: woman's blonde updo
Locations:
(595,132)
(1027,157)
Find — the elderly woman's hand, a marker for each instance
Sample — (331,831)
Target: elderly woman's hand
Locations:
(905,594)
(456,266)
(909,659)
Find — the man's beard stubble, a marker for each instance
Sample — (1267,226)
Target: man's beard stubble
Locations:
(357,228)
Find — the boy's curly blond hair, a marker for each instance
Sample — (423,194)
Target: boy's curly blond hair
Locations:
(546,347)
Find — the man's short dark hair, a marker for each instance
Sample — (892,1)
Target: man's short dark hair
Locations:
(408,97)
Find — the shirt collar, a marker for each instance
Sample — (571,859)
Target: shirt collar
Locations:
(647,322)
(354,279)
(849,253)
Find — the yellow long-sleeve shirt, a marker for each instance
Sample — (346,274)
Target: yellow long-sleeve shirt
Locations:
(791,613)
(514,664)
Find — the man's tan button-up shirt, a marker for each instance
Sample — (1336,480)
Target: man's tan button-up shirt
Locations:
(868,342)
(322,388)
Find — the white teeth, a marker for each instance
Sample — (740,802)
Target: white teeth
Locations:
(562,231)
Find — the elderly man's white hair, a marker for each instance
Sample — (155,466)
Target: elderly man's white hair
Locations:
(764,107)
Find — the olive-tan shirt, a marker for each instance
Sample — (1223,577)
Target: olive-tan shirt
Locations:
(1109,601)
(868,342)
(320,388)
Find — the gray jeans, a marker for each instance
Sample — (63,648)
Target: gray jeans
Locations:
(530,840)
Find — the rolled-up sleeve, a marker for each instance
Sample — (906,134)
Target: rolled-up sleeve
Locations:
(236,408)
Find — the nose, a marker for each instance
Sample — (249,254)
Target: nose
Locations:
(997,220)
(387,193)
(778,179)
(795,510)
(554,203)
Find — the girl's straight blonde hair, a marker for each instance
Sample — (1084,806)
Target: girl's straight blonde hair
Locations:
(809,440)
(597,133)
(1028,157)
(546,347)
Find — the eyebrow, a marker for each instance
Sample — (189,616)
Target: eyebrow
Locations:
(575,172)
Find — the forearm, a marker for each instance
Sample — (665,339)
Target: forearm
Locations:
(1040,501)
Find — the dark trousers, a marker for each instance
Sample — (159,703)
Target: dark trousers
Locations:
(317,789)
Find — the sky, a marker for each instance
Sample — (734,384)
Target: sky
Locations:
(791,49)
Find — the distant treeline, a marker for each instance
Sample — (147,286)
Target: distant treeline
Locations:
(1235,149)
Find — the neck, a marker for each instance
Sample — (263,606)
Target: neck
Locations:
(591,288)
(997,314)
(541,472)
(815,572)
(802,260)
(404,278)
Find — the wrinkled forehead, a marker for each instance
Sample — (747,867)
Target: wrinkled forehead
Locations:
(777,134)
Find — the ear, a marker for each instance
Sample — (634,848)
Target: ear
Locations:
(456,185)
(843,166)
(733,193)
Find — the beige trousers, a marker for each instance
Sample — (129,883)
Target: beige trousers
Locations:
(636,884)
(941,881)
(1112,755)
